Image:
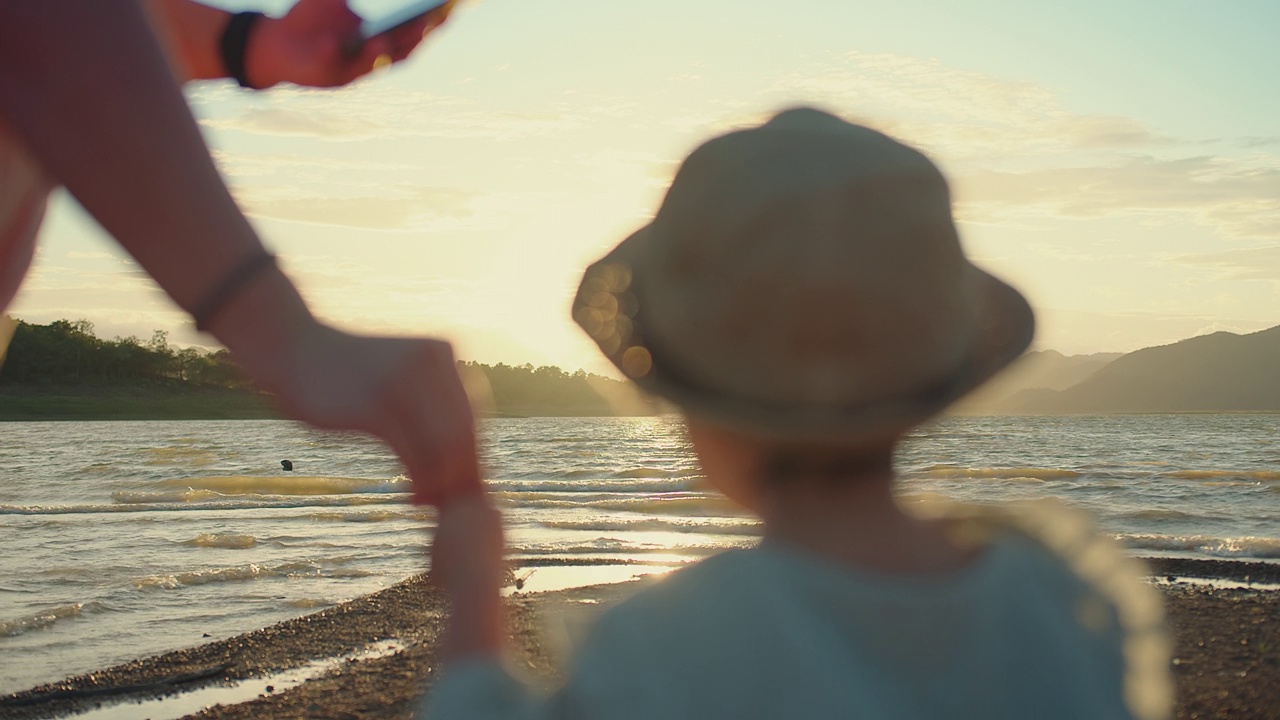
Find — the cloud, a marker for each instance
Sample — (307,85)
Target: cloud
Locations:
(47,277)
(1241,199)
(396,207)
(338,274)
(1260,141)
(962,113)
(378,297)
(1105,131)
(1260,263)
(95,255)
(290,122)
(1018,154)
(303,168)
(366,112)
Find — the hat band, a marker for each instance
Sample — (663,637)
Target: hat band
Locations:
(949,388)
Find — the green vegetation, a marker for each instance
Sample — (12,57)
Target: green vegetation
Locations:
(62,371)
(77,403)
(66,353)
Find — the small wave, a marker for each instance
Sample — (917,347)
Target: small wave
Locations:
(308,603)
(1255,475)
(593,486)
(227,541)
(545,474)
(670,562)
(282,485)
(97,469)
(135,503)
(1023,474)
(373,516)
(184,455)
(719,528)
(1161,514)
(596,474)
(244,573)
(631,549)
(643,472)
(46,618)
(685,505)
(189,495)
(676,504)
(605,544)
(1239,547)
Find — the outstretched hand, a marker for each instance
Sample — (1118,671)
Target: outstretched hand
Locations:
(316,44)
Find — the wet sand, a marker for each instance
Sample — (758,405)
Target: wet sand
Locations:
(1227,652)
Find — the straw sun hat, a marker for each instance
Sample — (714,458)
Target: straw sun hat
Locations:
(803,279)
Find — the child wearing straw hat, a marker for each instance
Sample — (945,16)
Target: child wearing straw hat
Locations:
(802,296)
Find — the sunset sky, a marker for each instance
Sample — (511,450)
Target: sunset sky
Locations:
(1118,162)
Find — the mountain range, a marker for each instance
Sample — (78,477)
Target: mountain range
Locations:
(1221,372)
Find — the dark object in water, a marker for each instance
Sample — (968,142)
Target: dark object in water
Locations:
(287,465)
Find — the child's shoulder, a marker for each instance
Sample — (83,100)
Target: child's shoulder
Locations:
(1035,556)
(1059,543)
(1048,601)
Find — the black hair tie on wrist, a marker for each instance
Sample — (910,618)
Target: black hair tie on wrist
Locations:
(235,41)
(228,287)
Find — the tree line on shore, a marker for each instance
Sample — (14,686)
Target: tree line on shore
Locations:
(67,355)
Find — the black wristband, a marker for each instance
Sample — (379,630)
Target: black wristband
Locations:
(231,284)
(235,41)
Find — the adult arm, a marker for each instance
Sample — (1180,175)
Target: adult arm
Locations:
(305,46)
(467,565)
(85,85)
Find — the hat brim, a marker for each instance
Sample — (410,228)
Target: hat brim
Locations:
(1004,325)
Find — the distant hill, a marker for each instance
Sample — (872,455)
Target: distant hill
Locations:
(1043,370)
(524,391)
(1222,372)
(63,371)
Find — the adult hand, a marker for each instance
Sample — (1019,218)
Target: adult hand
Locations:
(405,391)
(312,45)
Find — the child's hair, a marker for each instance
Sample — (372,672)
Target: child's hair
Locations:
(783,465)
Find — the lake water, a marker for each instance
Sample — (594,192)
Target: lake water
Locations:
(123,539)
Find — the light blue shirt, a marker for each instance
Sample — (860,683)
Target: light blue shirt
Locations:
(773,632)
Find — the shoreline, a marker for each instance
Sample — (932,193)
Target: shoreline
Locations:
(1241,571)
(1226,640)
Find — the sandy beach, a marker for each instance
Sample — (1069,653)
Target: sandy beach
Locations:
(1227,654)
